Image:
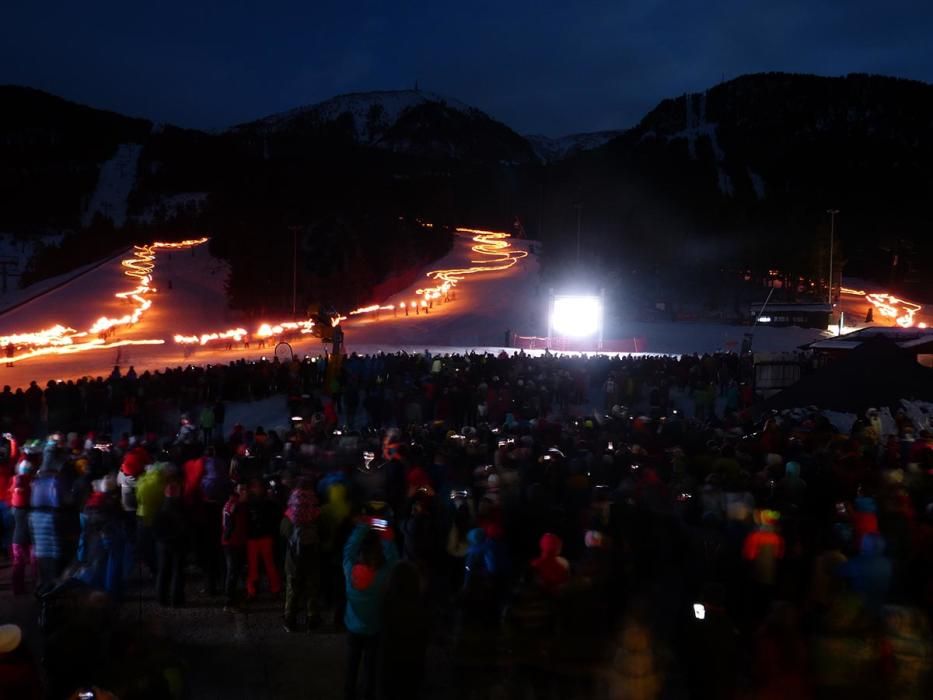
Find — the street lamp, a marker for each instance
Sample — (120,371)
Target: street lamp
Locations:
(832,232)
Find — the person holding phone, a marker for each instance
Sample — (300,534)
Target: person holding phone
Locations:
(368,558)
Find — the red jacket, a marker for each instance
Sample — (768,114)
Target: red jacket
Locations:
(20,490)
(194,471)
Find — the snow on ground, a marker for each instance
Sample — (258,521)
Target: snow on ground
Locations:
(17,252)
(191,300)
(114,183)
(486,306)
(16,295)
(169,207)
(697,127)
(550,149)
(359,104)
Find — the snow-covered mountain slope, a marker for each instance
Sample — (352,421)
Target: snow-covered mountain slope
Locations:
(411,122)
(372,112)
(114,184)
(16,253)
(168,207)
(550,149)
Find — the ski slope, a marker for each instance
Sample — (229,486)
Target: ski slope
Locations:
(114,183)
(497,288)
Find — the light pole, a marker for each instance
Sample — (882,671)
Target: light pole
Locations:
(832,234)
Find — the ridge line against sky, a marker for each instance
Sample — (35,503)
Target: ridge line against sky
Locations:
(540,67)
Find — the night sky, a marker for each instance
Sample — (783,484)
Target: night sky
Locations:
(541,67)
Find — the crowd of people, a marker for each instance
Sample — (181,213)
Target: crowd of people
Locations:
(580,526)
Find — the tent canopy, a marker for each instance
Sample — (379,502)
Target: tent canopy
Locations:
(875,374)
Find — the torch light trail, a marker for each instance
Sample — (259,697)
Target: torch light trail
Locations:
(499,256)
(60,340)
(888,306)
(494,248)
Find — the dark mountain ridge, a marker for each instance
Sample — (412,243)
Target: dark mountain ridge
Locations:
(734,178)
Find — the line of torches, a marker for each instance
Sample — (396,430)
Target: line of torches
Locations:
(889,306)
(494,244)
(63,340)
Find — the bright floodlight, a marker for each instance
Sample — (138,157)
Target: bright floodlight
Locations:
(577,317)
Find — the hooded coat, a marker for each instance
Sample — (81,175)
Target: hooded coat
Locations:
(366,586)
(551,569)
(215,482)
(45,518)
(334,514)
(869,573)
(150,492)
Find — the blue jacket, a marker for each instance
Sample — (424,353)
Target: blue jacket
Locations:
(869,573)
(364,607)
(43,526)
(215,484)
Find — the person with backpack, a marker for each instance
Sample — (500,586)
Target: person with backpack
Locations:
(102,545)
(368,558)
(302,557)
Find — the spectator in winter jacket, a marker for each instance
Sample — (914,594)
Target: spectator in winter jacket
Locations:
(102,538)
(302,557)
(150,490)
(44,525)
(22,550)
(265,519)
(235,525)
(334,528)
(764,548)
(170,528)
(193,472)
(552,571)
(869,573)
(634,674)
(368,559)
(207,421)
(131,469)
(420,537)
